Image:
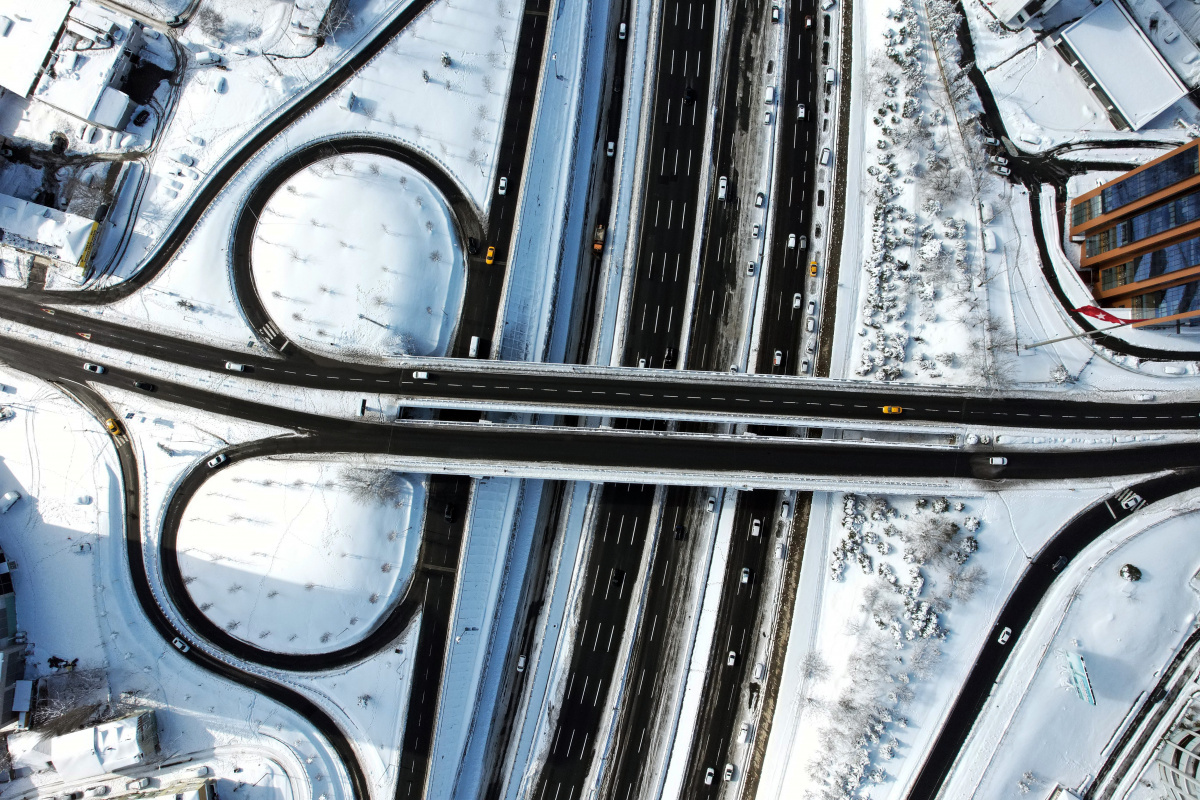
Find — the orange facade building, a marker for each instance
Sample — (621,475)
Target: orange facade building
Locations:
(1140,237)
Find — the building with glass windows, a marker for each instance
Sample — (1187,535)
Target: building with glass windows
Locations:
(1140,237)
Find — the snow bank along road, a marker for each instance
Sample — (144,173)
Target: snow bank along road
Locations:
(665,394)
(1016,614)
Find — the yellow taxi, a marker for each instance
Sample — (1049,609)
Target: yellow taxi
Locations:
(893,410)
(113,427)
(491,256)
(812,269)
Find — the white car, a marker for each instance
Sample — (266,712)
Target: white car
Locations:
(612,148)
(759,199)
(621,31)
(729,772)
(778,357)
(766,118)
(755,230)
(709,774)
(233,366)
(712,504)
(731,659)
(96,368)
(502,189)
(1001,160)
(999,170)
(774,13)
(7,500)
(812,307)
(1004,635)
(217,460)
(791,241)
(745,574)
(998,461)
(180,645)
(796,300)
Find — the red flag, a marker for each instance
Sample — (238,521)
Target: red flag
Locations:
(1101,314)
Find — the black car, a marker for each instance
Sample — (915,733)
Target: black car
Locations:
(145,387)
(680,531)
(669,358)
(449,512)
(472,245)
(618,575)
(141,118)
(689,96)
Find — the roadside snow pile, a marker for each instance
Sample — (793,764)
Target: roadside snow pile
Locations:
(300,556)
(897,575)
(386,280)
(923,314)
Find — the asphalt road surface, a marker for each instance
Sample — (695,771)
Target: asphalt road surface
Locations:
(626,394)
(675,162)
(715,746)
(612,570)
(793,244)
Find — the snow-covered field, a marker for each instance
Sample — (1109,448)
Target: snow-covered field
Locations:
(300,556)
(65,540)
(386,280)
(1036,730)
(454,118)
(897,594)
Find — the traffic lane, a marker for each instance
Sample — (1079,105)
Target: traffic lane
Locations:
(663,452)
(604,603)
(447,500)
(1023,601)
(485,283)
(641,701)
(677,393)
(783,331)
(675,159)
(735,620)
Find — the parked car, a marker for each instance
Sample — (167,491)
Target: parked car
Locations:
(755,229)
(7,501)
(991,141)
(137,784)
(729,772)
(1001,160)
(759,199)
(774,13)
(1001,170)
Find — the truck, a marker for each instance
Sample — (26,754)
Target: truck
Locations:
(598,239)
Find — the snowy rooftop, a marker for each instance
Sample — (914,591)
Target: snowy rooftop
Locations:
(1125,64)
(44,231)
(27,32)
(98,750)
(86,59)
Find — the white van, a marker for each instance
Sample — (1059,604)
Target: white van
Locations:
(420,375)
(473,352)
(722,187)
(830,75)
(769,97)
(825,156)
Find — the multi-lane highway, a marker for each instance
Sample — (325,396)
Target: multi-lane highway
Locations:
(793,245)
(676,159)
(609,579)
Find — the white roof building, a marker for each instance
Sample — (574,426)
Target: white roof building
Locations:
(1015,13)
(47,232)
(27,34)
(104,748)
(1126,72)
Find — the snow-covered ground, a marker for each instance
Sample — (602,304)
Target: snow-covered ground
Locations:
(300,556)
(368,699)
(385,280)
(75,600)
(896,596)
(454,118)
(1035,729)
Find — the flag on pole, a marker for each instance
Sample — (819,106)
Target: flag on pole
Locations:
(1101,314)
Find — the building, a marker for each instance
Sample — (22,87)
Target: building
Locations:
(99,750)
(1140,237)
(32,233)
(1135,87)
(1016,13)
(74,58)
